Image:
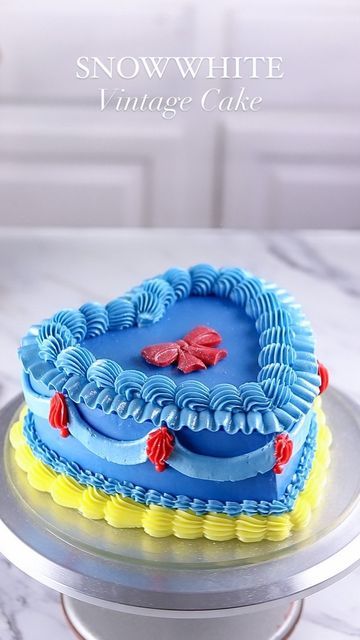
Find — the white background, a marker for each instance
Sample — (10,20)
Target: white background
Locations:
(295,163)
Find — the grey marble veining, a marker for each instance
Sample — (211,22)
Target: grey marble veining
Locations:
(298,252)
(42,271)
(27,609)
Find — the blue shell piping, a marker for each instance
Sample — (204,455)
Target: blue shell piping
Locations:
(150,496)
(187,462)
(287,382)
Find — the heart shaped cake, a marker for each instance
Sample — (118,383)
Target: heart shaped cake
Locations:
(188,407)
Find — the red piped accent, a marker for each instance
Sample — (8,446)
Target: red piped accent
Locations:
(58,414)
(162,354)
(283,449)
(197,350)
(324,377)
(159,447)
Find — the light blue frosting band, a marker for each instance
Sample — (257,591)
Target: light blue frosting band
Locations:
(194,465)
(117,451)
(151,496)
(39,405)
(187,462)
(247,465)
(235,468)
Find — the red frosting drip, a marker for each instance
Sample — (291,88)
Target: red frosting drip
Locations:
(58,414)
(324,377)
(159,447)
(283,451)
(197,350)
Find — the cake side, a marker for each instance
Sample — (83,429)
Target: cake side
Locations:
(128,508)
(204,465)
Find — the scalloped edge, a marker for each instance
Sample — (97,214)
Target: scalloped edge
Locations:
(159,521)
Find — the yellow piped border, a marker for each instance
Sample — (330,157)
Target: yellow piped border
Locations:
(159,521)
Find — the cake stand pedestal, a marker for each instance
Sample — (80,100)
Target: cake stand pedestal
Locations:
(95,623)
(125,584)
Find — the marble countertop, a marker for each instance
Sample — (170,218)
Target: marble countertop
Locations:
(42,271)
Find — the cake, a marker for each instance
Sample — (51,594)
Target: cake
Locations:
(189,407)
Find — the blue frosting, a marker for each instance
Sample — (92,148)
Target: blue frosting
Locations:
(52,339)
(68,354)
(75,360)
(227,280)
(161,289)
(203,278)
(129,384)
(159,390)
(189,463)
(180,281)
(122,452)
(74,320)
(238,332)
(112,448)
(152,496)
(121,314)
(96,318)
(104,373)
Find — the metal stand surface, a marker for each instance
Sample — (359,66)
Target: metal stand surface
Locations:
(170,588)
(90,622)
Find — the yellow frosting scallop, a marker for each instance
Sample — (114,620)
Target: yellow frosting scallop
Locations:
(159,521)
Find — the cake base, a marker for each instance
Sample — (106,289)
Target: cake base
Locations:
(95,623)
(158,521)
(111,567)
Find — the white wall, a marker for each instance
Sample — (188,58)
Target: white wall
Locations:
(295,163)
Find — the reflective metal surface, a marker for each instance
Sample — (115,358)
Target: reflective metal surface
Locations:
(96,623)
(92,561)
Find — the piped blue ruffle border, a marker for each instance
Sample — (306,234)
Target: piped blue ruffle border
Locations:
(285,388)
(189,463)
(150,496)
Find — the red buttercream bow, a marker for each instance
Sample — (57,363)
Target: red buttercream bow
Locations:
(197,350)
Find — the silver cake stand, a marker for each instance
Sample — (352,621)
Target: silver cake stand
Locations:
(123,583)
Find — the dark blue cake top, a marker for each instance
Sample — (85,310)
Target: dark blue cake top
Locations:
(237,330)
(267,381)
